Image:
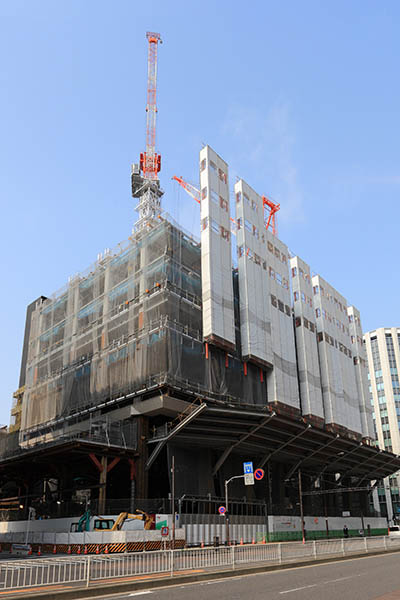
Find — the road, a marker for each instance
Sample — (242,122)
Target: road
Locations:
(369,578)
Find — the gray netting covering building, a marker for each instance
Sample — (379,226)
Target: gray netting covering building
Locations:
(133,321)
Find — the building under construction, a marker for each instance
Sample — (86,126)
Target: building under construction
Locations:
(164,348)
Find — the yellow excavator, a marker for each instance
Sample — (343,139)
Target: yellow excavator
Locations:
(110,525)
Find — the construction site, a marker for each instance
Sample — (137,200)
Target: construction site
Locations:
(150,378)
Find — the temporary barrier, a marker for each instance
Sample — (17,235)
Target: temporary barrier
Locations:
(28,573)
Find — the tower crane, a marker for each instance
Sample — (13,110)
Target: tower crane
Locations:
(269,219)
(269,206)
(145,182)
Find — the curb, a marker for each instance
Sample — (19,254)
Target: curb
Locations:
(103,589)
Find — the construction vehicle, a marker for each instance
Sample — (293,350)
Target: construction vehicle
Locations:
(101,524)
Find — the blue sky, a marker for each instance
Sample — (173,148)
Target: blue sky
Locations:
(300,98)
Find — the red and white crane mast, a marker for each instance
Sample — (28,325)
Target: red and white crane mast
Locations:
(150,161)
(145,182)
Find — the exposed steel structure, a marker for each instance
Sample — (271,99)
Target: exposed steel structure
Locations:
(190,189)
(150,161)
(273,208)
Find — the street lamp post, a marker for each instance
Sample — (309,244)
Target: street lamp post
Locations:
(227,482)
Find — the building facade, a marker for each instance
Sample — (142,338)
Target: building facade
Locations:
(163,348)
(383,351)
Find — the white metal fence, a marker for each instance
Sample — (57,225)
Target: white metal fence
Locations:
(31,573)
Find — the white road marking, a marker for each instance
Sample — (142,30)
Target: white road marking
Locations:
(298,589)
(140,593)
(341,579)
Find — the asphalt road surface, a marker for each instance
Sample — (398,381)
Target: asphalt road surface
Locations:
(369,578)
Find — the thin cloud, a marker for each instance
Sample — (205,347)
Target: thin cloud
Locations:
(264,146)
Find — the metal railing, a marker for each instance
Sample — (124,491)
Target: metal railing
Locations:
(30,573)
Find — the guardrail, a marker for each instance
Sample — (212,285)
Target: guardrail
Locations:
(28,573)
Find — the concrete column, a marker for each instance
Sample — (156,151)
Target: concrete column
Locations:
(103,485)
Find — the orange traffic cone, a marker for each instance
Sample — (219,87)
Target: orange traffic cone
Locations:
(39,552)
(85,550)
(79,549)
(264,542)
(241,541)
(97,549)
(69,550)
(30,551)
(253,541)
(202,544)
(106,549)
(55,549)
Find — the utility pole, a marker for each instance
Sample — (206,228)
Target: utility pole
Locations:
(173,500)
(301,508)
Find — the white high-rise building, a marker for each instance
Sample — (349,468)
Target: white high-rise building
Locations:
(383,353)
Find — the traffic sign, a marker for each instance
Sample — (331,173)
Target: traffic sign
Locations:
(249,479)
(247,467)
(258,474)
(222,510)
(164,531)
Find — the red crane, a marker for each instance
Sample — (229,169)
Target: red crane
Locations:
(270,220)
(150,161)
(272,207)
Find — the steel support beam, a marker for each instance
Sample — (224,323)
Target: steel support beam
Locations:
(173,433)
(338,460)
(322,447)
(228,450)
(292,439)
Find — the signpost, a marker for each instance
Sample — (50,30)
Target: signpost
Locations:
(164,531)
(259,474)
(249,475)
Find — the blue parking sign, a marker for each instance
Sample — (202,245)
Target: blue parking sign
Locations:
(247,467)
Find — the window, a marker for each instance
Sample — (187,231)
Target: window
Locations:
(253,205)
(320,337)
(255,231)
(239,223)
(277,253)
(214,197)
(316,289)
(248,225)
(305,322)
(303,297)
(246,199)
(298,321)
(296,296)
(213,166)
(317,312)
(287,310)
(222,175)
(257,259)
(285,284)
(214,226)
(223,203)
(238,196)
(271,273)
(204,193)
(225,234)
(240,251)
(283,258)
(273,300)
(294,271)
(203,164)
(270,247)
(278,278)
(312,326)
(204,223)
(281,306)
